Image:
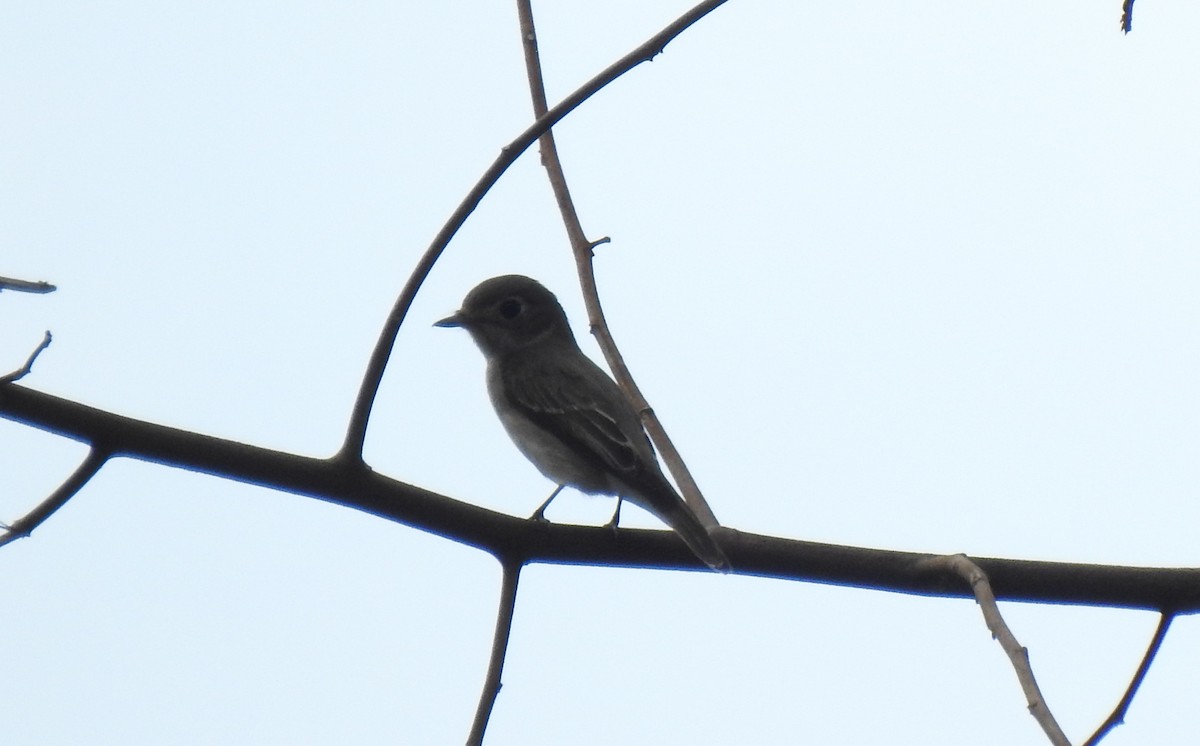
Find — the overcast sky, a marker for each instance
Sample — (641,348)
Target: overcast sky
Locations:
(908,276)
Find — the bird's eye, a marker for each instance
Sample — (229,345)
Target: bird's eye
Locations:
(510,308)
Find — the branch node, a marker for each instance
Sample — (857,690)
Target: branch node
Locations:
(1018,655)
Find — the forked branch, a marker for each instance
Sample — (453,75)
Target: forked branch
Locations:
(962,566)
(360,488)
(356,432)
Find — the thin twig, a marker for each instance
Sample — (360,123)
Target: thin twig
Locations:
(25,525)
(25,286)
(25,369)
(491,684)
(582,249)
(1118,714)
(356,431)
(962,565)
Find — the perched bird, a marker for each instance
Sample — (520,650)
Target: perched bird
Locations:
(562,411)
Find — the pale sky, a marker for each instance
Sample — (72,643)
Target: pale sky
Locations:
(907,276)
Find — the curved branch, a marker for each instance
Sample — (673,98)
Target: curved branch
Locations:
(582,249)
(356,433)
(523,541)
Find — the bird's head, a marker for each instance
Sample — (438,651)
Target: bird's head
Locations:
(511,312)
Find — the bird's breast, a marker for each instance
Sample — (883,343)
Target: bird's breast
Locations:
(552,457)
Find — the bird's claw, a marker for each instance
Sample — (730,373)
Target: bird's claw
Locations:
(614,522)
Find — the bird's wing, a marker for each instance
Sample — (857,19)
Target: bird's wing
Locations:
(581,406)
(575,405)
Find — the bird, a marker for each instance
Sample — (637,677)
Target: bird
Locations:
(565,414)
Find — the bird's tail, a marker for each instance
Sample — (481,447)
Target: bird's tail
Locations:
(696,536)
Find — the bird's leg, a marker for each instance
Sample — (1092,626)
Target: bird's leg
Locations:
(539,514)
(616,516)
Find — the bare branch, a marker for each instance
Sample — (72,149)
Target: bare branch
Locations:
(25,286)
(356,431)
(582,249)
(520,540)
(25,525)
(25,369)
(491,683)
(1118,714)
(961,565)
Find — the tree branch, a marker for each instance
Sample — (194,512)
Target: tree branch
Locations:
(491,683)
(25,369)
(25,286)
(519,540)
(25,525)
(582,249)
(962,566)
(1118,714)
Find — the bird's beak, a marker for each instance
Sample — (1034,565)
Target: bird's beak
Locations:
(453,320)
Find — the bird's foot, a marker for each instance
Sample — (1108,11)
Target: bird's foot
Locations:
(539,515)
(614,522)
